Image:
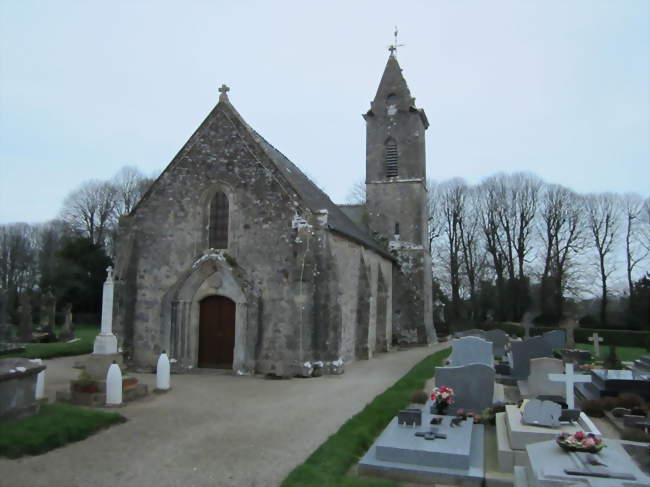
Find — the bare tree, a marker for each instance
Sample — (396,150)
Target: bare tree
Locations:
(357,194)
(130,185)
(562,231)
(18,272)
(473,256)
(636,234)
(90,209)
(602,218)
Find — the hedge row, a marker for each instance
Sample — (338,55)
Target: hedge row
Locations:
(620,338)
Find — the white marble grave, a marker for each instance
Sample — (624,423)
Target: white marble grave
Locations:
(513,435)
(547,464)
(596,340)
(106,342)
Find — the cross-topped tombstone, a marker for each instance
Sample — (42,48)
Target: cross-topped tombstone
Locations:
(527,323)
(569,324)
(596,340)
(570,379)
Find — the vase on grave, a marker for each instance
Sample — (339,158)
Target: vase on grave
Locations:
(442,397)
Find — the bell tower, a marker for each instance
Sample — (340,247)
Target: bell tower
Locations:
(397,200)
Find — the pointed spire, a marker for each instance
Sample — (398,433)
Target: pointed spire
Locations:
(393,84)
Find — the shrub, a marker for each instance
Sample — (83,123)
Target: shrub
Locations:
(630,401)
(593,407)
(419,397)
(635,434)
(609,403)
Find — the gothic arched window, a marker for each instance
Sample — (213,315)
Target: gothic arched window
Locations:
(390,158)
(218,226)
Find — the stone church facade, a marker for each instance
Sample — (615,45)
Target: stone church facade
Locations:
(235,259)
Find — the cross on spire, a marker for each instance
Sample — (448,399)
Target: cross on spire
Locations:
(223,89)
(393,47)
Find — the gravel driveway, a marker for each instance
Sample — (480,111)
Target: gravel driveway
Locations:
(211,429)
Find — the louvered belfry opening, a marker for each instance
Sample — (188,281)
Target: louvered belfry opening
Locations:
(390,157)
(218,234)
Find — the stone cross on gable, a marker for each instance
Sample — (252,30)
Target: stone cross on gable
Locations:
(597,340)
(223,89)
(569,379)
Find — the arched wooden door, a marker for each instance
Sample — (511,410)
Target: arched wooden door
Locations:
(216,332)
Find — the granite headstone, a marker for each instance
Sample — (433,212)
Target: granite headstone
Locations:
(523,351)
(541,413)
(555,338)
(473,385)
(471,350)
(499,340)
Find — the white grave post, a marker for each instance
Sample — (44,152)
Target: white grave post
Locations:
(597,340)
(40,380)
(114,385)
(569,378)
(162,373)
(106,342)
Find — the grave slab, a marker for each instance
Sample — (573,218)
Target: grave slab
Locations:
(548,464)
(471,475)
(18,388)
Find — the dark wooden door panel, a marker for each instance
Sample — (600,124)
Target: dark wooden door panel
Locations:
(216,332)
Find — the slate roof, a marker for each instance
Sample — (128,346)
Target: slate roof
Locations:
(316,199)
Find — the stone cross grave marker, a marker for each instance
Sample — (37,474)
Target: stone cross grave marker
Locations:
(569,325)
(541,413)
(597,341)
(527,323)
(570,379)
(67,333)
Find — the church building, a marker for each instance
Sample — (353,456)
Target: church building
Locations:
(235,259)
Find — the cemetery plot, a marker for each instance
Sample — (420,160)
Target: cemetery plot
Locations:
(613,383)
(471,350)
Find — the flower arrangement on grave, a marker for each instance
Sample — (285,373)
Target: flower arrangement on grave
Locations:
(580,441)
(442,398)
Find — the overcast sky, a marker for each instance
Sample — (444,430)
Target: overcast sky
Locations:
(557,88)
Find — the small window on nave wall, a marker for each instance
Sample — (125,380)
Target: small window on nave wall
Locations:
(390,158)
(218,227)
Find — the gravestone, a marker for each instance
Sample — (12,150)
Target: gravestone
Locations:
(473,386)
(499,340)
(523,351)
(106,342)
(474,332)
(48,312)
(527,322)
(67,333)
(439,454)
(614,382)
(18,387)
(555,338)
(541,413)
(25,311)
(569,324)
(471,350)
(569,379)
(549,465)
(538,383)
(596,341)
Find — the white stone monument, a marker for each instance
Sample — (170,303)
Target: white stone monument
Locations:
(40,380)
(597,341)
(114,385)
(570,379)
(162,373)
(106,342)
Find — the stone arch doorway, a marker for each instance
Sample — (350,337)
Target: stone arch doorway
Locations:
(216,332)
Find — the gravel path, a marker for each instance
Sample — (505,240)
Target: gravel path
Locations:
(211,429)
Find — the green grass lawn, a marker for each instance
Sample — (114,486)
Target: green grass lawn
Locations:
(626,354)
(87,334)
(55,425)
(328,465)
